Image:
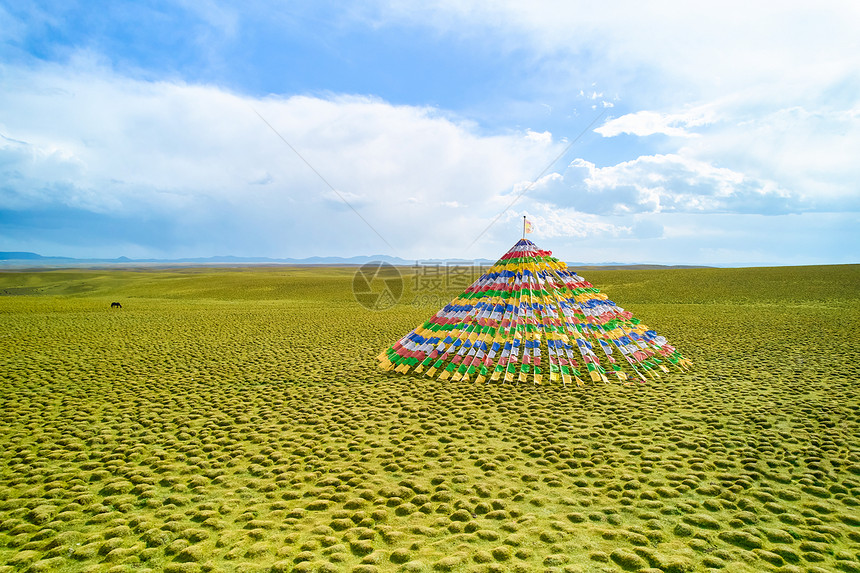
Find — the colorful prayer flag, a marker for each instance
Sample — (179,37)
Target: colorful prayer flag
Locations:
(526,306)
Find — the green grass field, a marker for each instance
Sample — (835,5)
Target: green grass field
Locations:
(235,420)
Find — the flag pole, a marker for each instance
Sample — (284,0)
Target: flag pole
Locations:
(524,226)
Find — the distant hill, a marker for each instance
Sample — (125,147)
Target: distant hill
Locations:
(17,259)
(22,256)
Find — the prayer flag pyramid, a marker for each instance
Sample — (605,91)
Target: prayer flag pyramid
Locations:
(530,318)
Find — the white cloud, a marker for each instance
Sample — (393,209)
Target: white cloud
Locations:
(661,184)
(811,152)
(767,91)
(757,104)
(544,137)
(690,238)
(650,122)
(549,222)
(345,198)
(696,50)
(192,158)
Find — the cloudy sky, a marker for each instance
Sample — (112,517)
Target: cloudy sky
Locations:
(667,132)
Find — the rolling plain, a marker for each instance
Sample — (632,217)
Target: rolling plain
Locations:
(235,420)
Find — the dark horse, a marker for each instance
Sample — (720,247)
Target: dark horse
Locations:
(115,305)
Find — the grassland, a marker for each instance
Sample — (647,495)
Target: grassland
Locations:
(234,420)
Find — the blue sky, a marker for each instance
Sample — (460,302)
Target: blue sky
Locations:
(722,136)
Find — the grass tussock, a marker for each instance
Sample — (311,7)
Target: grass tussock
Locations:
(234,420)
